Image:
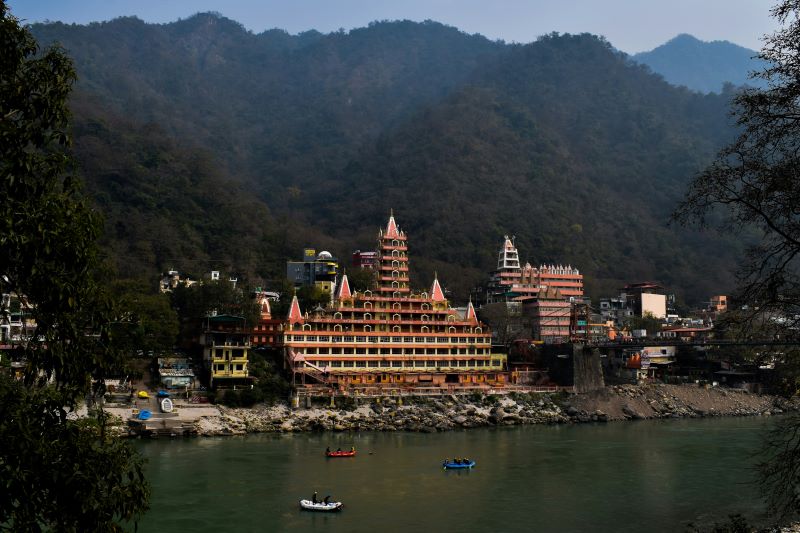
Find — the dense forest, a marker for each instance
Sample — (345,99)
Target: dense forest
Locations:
(207,146)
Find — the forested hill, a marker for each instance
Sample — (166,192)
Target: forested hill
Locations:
(703,66)
(205,143)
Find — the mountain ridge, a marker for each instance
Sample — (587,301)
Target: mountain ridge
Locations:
(572,146)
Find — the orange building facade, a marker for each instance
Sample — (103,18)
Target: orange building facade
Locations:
(512,281)
(391,336)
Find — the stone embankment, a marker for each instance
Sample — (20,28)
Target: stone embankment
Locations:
(626,402)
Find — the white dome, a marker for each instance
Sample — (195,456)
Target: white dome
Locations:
(325,255)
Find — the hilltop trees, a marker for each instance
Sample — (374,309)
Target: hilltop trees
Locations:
(57,473)
(755,183)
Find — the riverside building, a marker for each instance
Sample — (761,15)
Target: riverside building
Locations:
(513,282)
(390,337)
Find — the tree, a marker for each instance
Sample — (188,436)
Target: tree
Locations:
(754,185)
(150,324)
(58,474)
(647,322)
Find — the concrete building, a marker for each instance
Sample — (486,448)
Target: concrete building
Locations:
(367,259)
(647,297)
(318,270)
(718,304)
(550,316)
(267,332)
(226,343)
(392,337)
(513,282)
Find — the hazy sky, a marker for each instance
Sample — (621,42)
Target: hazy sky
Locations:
(630,25)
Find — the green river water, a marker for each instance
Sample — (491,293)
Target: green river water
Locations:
(647,476)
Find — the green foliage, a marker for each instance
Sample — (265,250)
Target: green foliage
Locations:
(201,299)
(362,279)
(148,321)
(647,322)
(564,142)
(271,385)
(309,297)
(56,474)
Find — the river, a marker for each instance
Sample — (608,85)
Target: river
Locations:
(637,476)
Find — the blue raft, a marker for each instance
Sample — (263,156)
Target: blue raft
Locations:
(447,465)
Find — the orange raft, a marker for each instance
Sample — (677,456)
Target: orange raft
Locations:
(351,453)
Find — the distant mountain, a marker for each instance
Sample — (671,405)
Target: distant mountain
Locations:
(702,66)
(206,144)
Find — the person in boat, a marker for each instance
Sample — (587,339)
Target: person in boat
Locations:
(458,460)
(327,499)
(466,461)
(352,449)
(328,449)
(314,497)
(338,450)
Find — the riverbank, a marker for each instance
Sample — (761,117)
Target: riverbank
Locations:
(626,402)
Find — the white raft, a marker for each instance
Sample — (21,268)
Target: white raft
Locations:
(166,405)
(308,505)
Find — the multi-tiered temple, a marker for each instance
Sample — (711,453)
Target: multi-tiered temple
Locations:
(390,336)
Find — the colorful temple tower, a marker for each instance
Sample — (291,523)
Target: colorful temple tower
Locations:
(391,336)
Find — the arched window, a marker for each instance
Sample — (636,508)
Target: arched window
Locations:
(337,315)
(424,318)
(337,327)
(395,253)
(395,285)
(396,294)
(396,305)
(395,263)
(306,327)
(451,318)
(395,242)
(396,316)
(396,329)
(451,329)
(368,293)
(425,307)
(425,329)
(367,328)
(367,316)
(367,305)
(478,330)
(395,274)
(424,295)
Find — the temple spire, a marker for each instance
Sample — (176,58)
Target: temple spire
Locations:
(344,289)
(471,316)
(266,312)
(437,295)
(391,227)
(295,315)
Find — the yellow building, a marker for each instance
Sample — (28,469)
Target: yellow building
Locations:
(226,343)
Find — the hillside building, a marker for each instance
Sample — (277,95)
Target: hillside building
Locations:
(366,259)
(318,270)
(267,331)
(513,282)
(390,336)
(550,316)
(226,343)
(647,297)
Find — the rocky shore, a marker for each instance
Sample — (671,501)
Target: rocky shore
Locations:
(627,402)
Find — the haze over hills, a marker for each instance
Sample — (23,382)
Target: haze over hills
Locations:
(703,66)
(205,144)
